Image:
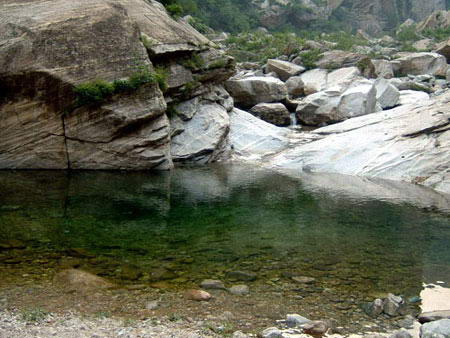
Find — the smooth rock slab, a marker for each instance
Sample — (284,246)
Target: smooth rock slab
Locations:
(412,97)
(358,100)
(314,81)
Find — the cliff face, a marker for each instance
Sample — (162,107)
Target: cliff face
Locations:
(48,48)
(373,16)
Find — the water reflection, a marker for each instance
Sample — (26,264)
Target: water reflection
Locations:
(357,236)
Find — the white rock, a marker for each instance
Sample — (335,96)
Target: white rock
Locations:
(437,329)
(394,144)
(412,96)
(271,332)
(360,99)
(253,138)
(342,78)
(202,136)
(295,86)
(284,69)
(319,108)
(387,94)
(383,68)
(253,90)
(314,80)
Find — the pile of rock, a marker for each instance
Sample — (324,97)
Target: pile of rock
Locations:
(321,96)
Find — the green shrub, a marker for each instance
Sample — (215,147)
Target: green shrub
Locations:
(408,33)
(161,77)
(310,58)
(439,34)
(93,92)
(34,315)
(195,62)
(174,10)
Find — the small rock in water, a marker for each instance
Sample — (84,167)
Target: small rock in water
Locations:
(241,276)
(239,290)
(293,320)
(303,279)
(400,334)
(393,305)
(374,309)
(271,332)
(437,329)
(212,284)
(316,328)
(152,305)
(198,295)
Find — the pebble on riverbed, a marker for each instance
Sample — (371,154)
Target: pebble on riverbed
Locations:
(239,290)
(212,284)
(197,295)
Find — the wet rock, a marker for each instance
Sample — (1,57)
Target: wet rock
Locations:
(271,332)
(393,305)
(432,316)
(130,272)
(197,295)
(316,328)
(284,69)
(241,276)
(401,334)
(294,320)
(275,113)
(162,274)
(12,244)
(436,329)
(212,284)
(239,290)
(80,281)
(303,279)
(374,309)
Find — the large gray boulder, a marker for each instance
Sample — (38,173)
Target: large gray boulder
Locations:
(341,79)
(383,68)
(202,138)
(360,99)
(412,97)
(314,81)
(437,329)
(250,91)
(275,113)
(443,48)
(421,63)
(319,108)
(295,86)
(284,69)
(387,95)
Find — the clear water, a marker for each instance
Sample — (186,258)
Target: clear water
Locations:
(201,223)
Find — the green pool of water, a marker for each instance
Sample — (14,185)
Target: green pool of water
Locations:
(192,224)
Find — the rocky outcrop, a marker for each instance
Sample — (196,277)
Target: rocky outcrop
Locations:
(421,63)
(47,49)
(408,143)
